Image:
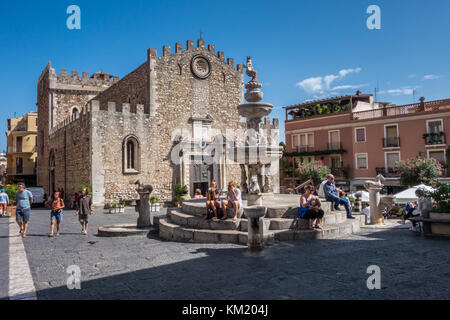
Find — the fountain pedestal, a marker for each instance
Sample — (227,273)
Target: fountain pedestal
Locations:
(255,227)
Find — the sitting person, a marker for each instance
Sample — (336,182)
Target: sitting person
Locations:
(332,195)
(233,201)
(310,208)
(198,194)
(212,203)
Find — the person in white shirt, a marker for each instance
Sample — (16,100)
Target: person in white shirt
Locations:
(366,211)
(424,207)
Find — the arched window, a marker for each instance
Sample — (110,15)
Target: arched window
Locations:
(75,112)
(131,154)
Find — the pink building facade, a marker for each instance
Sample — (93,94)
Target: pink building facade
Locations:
(359,138)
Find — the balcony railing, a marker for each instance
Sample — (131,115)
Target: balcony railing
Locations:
(305,148)
(432,139)
(335,146)
(338,172)
(388,172)
(402,110)
(391,142)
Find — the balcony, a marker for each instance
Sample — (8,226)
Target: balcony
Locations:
(305,148)
(432,139)
(391,142)
(334,146)
(338,172)
(388,172)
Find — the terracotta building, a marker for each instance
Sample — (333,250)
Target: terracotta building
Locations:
(359,138)
(21,153)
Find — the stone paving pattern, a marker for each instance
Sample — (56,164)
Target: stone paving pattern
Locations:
(147,268)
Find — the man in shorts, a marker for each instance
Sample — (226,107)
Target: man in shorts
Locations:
(24,200)
(4,202)
(84,210)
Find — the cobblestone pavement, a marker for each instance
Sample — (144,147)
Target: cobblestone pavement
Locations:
(147,268)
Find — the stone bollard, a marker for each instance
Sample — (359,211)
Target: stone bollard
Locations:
(255,227)
(357,206)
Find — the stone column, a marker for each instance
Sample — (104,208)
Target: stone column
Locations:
(255,227)
(376,216)
(144,220)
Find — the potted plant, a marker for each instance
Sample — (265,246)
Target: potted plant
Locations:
(113,208)
(441,210)
(155,206)
(181,194)
(121,206)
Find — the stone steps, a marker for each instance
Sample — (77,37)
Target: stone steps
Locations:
(198,208)
(197,222)
(171,231)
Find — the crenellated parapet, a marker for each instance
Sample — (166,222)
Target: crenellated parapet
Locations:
(167,52)
(93,107)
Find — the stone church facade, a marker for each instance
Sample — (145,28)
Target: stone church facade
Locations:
(109,133)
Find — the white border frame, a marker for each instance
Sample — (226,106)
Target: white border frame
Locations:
(426,130)
(356,161)
(365,135)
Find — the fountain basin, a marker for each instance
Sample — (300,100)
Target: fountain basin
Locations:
(255,110)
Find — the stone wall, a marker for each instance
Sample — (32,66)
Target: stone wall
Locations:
(71,146)
(58,94)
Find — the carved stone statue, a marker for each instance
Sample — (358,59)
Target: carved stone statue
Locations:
(251,72)
(254,185)
(378,183)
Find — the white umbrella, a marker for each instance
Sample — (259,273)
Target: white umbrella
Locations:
(409,195)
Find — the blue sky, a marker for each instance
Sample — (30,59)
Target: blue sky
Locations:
(301,49)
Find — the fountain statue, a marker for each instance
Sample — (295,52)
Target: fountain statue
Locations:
(143,206)
(377,204)
(257,180)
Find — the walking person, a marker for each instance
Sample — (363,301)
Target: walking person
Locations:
(84,210)
(4,202)
(24,200)
(56,215)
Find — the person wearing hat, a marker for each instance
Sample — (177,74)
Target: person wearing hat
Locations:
(4,202)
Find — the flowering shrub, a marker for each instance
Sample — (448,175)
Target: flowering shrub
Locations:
(419,170)
(314,171)
(440,194)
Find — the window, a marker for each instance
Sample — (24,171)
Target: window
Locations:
(295,141)
(335,162)
(361,161)
(434,126)
(360,134)
(19,165)
(334,138)
(19,144)
(391,139)
(131,155)
(202,132)
(391,161)
(306,142)
(75,112)
(439,155)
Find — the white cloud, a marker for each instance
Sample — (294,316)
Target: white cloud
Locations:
(346,87)
(399,91)
(323,85)
(431,77)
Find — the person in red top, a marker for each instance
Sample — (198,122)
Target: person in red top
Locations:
(56,215)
